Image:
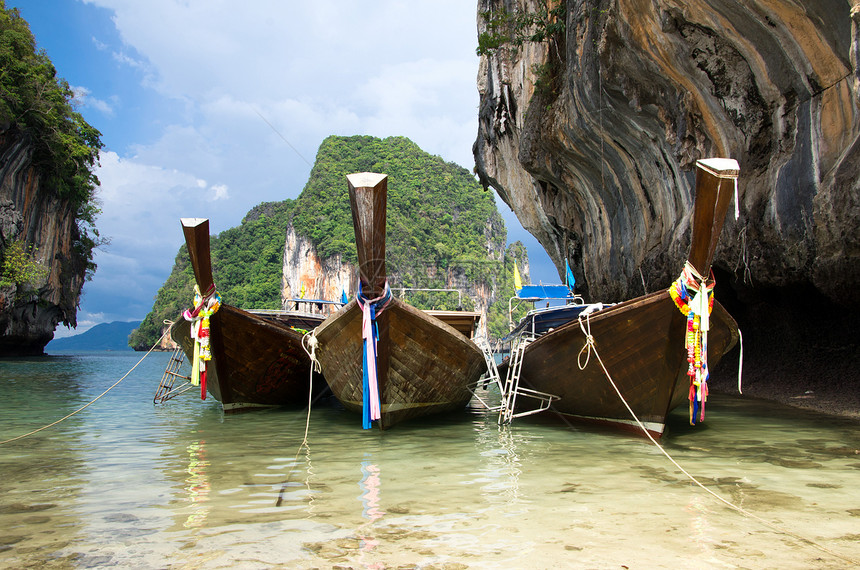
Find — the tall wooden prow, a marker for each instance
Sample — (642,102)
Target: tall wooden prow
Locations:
(715,186)
(196,231)
(368,198)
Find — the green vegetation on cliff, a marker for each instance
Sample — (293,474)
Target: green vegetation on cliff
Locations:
(509,30)
(443,230)
(437,212)
(38,107)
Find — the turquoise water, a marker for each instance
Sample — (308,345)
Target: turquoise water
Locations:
(129,484)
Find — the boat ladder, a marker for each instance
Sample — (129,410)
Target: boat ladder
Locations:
(166,388)
(512,388)
(492,376)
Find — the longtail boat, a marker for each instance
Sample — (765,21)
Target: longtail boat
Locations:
(255,359)
(652,346)
(421,365)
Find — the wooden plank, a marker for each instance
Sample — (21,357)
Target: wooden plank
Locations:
(196,231)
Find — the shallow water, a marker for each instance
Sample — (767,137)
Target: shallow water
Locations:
(129,484)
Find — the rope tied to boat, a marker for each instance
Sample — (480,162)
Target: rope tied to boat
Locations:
(589,342)
(204,307)
(310,342)
(694,297)
(371,309)
(97,398)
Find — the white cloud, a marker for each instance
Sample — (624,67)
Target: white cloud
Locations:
(219,192)
(82,97)
(141,205)
(259,87)
(314,69)
(100,45)
(125,59)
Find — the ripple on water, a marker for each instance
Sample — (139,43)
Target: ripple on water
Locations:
(190,487)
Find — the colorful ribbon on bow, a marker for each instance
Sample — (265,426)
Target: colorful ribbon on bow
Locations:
(697,310)
(204,307)
(371,308)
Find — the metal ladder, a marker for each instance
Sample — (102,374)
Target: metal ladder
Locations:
(166,390)
(492,371)
(512,388)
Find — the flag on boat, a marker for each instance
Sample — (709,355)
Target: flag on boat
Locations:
(570,280)
(343,298)
(302,292)
(518,282)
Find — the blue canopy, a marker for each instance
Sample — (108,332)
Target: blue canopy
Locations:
(543,292)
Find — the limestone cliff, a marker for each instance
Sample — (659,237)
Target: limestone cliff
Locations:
(29,213)
(329,278)
(320,278)
(597,159)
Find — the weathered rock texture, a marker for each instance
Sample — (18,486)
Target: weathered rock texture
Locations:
(329,278)
(599,166)
(321,278)
(30,212)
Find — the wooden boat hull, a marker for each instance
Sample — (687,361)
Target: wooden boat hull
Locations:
(256,360)
(432,368)
(641,344)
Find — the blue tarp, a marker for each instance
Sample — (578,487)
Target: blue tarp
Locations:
(544,292)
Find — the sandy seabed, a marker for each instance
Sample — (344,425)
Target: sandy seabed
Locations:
(821,378)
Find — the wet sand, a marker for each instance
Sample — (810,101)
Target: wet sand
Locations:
(800,349)
(812,376)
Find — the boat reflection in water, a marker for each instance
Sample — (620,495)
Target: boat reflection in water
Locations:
(197,485)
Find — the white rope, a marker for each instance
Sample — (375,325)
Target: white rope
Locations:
(740,361)
(94,400)
(737,203)
(309,345)
(591,346)
(311,349)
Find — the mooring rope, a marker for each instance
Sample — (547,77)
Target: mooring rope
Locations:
(309,345)
(311,350)
(85,406)
(589,347)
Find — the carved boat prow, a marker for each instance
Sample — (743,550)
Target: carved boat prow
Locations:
(641,342)
(423,366)
(257,358)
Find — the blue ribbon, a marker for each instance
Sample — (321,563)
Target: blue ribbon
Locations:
(366,421)
(371,388)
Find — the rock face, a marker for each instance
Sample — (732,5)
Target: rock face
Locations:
(321,278)
(29,213)
(598,164)
(329,278)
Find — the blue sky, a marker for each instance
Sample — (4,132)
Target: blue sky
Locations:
(207,108)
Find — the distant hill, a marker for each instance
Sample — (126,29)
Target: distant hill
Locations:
(441,225)
(106,336)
